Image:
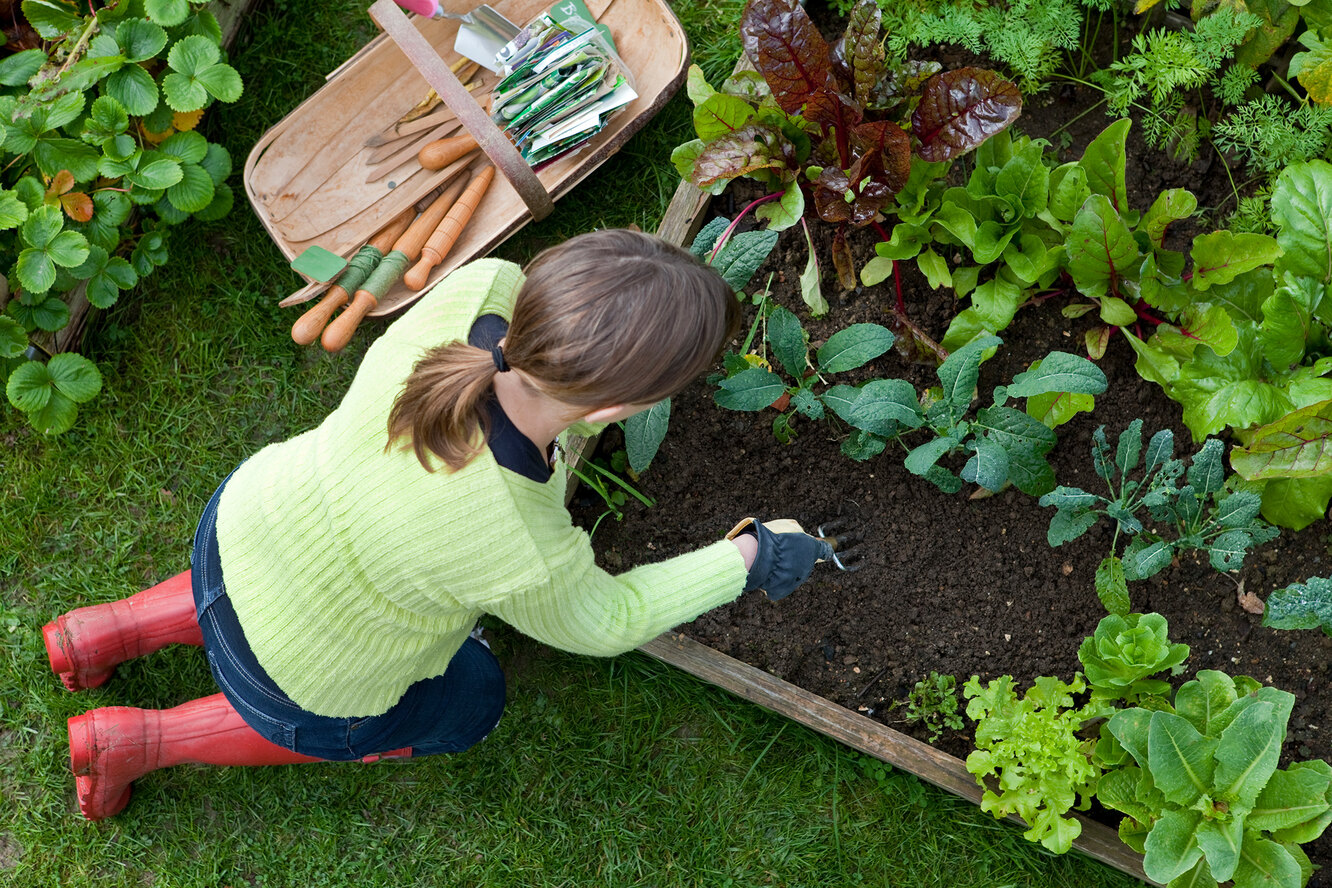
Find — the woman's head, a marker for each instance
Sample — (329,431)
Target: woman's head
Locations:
(606,318)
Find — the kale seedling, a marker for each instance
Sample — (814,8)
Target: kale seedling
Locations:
(1301,606)
(933,703)
(1204,513)
(752,384)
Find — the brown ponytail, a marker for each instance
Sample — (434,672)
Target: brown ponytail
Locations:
(609,317)
(440,408)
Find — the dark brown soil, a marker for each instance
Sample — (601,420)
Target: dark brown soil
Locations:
(952,584)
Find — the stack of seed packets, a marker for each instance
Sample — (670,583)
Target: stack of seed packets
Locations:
(563,81)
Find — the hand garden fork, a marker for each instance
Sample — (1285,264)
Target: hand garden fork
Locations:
(847,554)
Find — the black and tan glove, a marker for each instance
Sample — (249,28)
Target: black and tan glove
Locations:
(786,555)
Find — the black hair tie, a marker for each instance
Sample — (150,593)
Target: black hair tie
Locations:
(497,355)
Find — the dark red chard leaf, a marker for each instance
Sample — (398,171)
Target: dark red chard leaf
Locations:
(885,150)
(829,109)
(787,49)
(830,195)
(753,147)
(960,109)
(867,196)
(858,58)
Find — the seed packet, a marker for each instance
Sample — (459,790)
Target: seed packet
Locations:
(562,80)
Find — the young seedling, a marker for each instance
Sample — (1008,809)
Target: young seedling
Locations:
(933,703)
(1205,514)
(752,385)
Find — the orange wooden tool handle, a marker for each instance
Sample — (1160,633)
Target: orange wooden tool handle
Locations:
(339,333)
(388,236)
(308,326)
(440,153)
(411,241)
(446,235)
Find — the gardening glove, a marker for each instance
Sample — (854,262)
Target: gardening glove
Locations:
(786,555)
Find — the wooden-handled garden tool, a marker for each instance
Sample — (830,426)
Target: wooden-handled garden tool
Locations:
(446,235)
(440,153)
(405,250)
(309,325)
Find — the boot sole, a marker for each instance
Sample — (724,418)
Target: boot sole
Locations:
(88,785)
(58,654)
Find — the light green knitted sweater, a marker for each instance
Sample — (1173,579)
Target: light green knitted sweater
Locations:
(355,572)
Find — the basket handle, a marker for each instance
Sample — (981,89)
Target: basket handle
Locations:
(477,122)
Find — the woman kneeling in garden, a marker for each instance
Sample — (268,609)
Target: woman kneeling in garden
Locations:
(336,577)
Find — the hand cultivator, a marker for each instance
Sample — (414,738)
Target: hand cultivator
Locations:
(845,542)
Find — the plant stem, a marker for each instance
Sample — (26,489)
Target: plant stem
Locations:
(88,30)
(1290,89)
(730,229)
(616,478)
(1066,124)
(921,336)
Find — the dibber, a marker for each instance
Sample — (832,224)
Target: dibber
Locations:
(446,235)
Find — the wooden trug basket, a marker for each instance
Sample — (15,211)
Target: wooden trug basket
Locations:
(306,177)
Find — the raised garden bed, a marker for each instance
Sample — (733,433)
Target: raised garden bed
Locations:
(951,584)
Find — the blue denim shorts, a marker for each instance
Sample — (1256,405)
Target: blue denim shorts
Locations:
(447,713)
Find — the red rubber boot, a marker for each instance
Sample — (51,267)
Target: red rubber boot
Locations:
(85,645)
(111,747)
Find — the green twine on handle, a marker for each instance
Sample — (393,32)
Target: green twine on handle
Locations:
(386,273)
(359,268)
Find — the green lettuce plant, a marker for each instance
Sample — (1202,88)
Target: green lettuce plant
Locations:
(100,158)
(1203,512)
(996,218)
(1040,767)
(1205,800)
(1123,651)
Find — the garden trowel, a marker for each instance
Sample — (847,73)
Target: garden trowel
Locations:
(482,34)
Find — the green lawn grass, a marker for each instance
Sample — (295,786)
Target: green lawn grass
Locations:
(604,772)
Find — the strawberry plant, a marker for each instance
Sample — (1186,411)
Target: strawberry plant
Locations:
(98,114)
